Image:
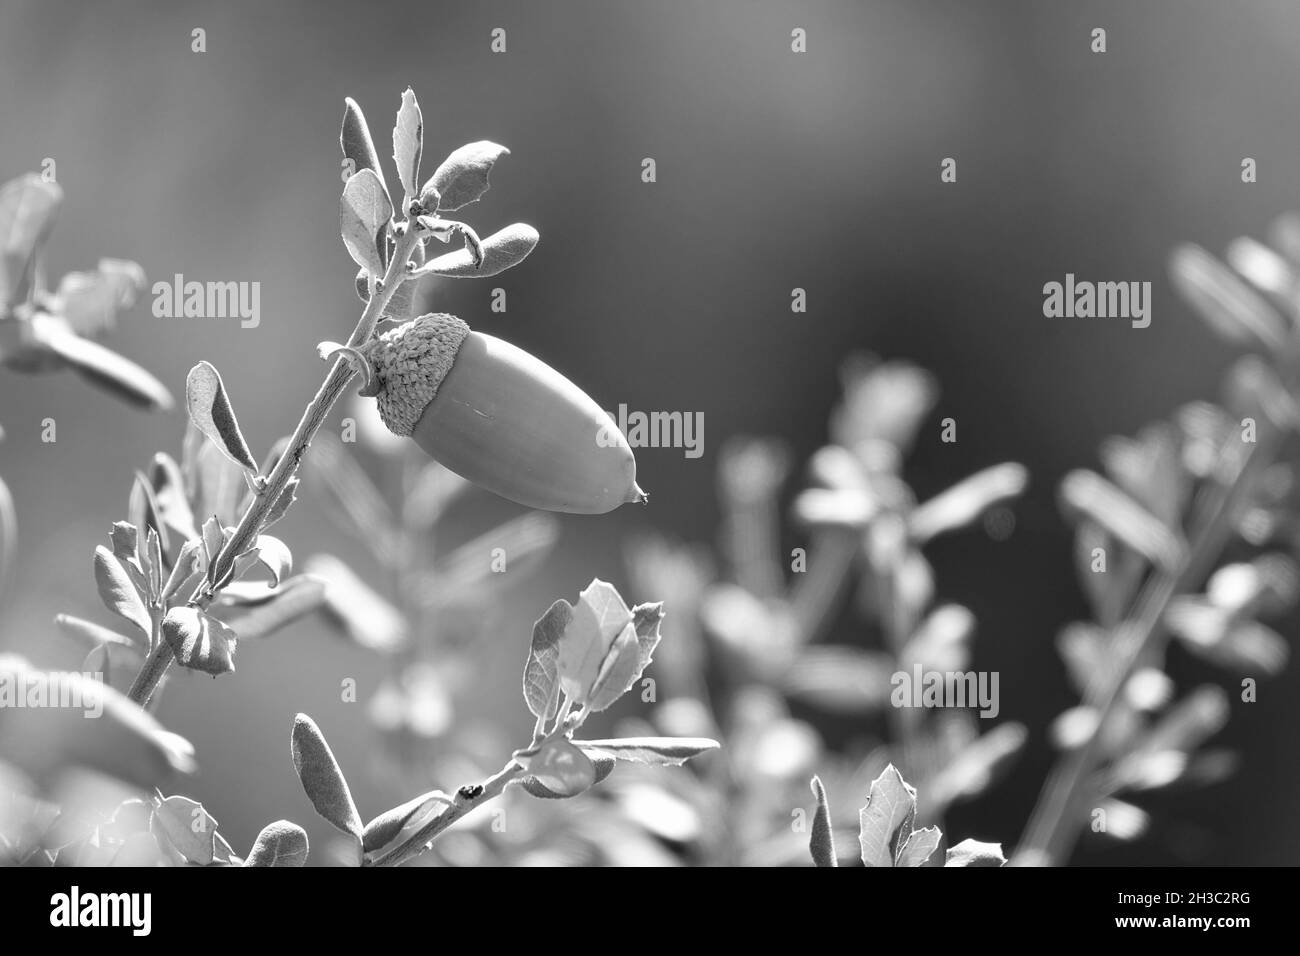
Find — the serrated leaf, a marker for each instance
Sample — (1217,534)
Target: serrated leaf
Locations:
(363,615)
(541,672)
(408,140)
(364,212)
(357,145)
(211,412)
(885,821)
(199,641)
(463,176)
(28,206)
(598,619)
(402,820)
(188,827)
(500,251)
(974,853)
(322,780)
(279,844)
(292,600)
(821,843)
(919,846)
(655,751)
(562,768)
(118,591)
(618,672)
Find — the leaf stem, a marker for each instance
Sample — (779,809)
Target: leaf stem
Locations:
(254,518)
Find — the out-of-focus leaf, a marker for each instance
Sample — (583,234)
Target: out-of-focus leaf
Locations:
(408,141)
(1269,583)
(28,206)
(839,678)
(967,500)
(978,765)
(220,484)
(465,574)
(500,251)
(1190,722)
(364,212)
(99,365)
(187,826)
(199,641)
(1252,386)
(886,820)
(91,301)
(883,402)
(1229,306)
(211,412)
(463,176)
(839,507)
(173,505)
(974,853)
(1148,468)
(541,672)
(90,633)
(362,614)
(403,820)
(322,780)
(821,844)
(561,768)
(1089,494)
(1123,821)
(1226,638)
(656,751)
(124,741)
(118,592)
(942,642)
(279,844)
(8,537)
(261,616)
(355,495)
(1261,266)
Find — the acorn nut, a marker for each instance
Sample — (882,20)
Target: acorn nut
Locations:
(500,418)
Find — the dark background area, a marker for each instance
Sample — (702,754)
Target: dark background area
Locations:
(775,171)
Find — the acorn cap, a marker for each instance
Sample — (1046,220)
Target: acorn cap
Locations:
(409,364)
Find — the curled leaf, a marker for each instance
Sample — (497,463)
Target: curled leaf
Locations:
(404,819)
(497,253)
(561,768)
(463,176)
(199,641)
(212,414)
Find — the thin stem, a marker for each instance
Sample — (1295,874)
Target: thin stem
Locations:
(254,518)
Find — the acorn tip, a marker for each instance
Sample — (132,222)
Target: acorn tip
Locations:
(638,496)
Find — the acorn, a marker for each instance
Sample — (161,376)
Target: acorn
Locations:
(499,417)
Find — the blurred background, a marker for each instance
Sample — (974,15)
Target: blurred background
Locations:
(775,170)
